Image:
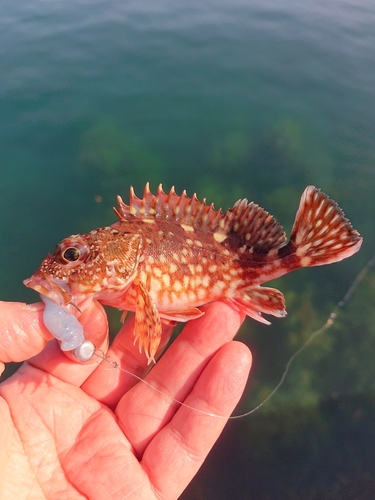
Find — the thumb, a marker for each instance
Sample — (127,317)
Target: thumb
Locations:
(22,331)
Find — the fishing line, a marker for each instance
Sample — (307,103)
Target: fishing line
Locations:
(330,321)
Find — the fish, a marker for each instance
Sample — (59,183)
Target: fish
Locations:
(169,254)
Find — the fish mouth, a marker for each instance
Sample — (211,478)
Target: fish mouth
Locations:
(56,290)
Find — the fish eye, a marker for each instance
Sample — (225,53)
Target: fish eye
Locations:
(71,254)
(72,251)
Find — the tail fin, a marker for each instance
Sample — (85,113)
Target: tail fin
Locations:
(321,233)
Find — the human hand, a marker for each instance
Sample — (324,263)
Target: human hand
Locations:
(71,430)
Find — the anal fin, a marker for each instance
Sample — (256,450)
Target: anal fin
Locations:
(258,300)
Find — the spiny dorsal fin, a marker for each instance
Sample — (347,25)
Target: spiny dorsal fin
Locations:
(172,207)
(252,227)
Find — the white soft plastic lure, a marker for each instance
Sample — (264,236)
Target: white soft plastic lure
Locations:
(65,327)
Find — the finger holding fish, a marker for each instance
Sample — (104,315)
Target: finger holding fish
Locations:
(176,373)
(122,366)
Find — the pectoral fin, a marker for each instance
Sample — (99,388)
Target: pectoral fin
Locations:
(147,329)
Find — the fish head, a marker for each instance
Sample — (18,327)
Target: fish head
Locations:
(84,267)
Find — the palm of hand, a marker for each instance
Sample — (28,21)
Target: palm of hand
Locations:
(91,431)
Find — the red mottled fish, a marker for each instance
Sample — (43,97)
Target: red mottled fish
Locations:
(168,254)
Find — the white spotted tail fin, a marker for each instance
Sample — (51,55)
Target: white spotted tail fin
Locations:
(321,233)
